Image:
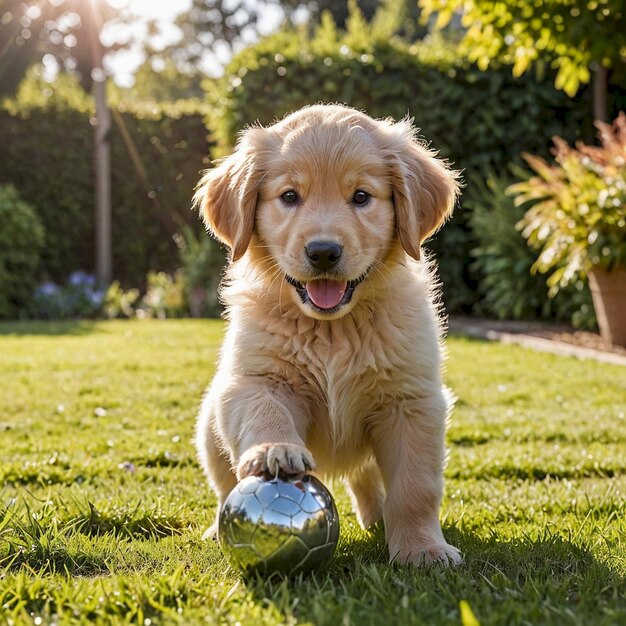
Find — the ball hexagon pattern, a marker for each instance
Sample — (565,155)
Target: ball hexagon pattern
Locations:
(278,525)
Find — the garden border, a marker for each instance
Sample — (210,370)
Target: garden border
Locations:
(481,329)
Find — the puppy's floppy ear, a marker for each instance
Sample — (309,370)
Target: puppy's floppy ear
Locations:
(424,189)
(227,196)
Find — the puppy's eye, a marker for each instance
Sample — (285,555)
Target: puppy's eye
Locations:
(360,197)
(289,197)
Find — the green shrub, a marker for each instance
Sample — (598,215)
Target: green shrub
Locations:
(475,119)
(203,262)
(21,241)
(165,296)
(119,303)
(508,288)
(47,152)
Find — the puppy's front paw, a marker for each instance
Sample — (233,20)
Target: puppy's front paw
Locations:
(274,458)
(210,532)
(440,554)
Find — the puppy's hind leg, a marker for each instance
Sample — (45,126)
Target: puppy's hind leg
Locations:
(214,461)
(367,493)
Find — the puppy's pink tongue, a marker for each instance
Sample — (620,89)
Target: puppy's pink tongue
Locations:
(326,294)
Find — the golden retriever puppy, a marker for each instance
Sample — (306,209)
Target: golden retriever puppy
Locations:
(332,358)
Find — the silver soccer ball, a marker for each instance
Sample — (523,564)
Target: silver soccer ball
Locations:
(278,525)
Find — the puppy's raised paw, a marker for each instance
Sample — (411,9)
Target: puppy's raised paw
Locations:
(273,459)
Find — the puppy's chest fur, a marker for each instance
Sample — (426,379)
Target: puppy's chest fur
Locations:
(345,371)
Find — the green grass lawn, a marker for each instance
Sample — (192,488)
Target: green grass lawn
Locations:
(103,504)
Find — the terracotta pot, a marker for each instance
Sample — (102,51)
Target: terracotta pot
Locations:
(608,290)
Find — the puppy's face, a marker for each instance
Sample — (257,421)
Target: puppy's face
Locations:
(326,215)
(322,197)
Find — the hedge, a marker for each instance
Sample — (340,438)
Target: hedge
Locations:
(47,154)
(478,120)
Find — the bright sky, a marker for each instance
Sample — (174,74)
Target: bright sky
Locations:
(124,63)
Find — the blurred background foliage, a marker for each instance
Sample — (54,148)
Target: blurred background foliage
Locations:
(46,141)
(572,37)
(378,56)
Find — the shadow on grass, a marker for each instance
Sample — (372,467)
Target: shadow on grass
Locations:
(53,328)
(46,537)
(60,560)
(550,557)
(34,543)
(522,573)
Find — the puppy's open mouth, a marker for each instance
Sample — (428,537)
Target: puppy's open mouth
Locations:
(325,294)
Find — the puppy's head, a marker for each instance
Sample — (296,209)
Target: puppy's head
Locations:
(323,198)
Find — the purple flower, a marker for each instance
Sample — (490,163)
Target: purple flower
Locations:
(97,297)
(80,278)
(47,289)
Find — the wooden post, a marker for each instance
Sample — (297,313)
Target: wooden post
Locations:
(104,261)
(600,94)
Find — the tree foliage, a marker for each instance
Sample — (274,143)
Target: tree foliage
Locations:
(208,23)
(572,36)
(67,30)
(339,10)
(228,24)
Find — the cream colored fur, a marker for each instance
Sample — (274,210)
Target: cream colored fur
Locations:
(356,393)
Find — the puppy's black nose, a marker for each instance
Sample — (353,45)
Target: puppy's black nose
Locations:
(324,255)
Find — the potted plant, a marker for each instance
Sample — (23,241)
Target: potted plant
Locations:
(578,220)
